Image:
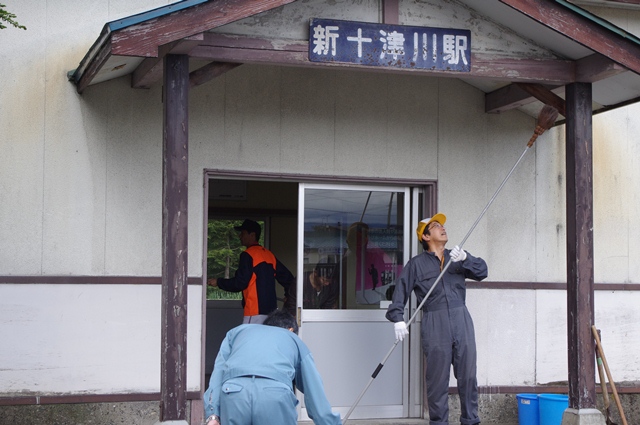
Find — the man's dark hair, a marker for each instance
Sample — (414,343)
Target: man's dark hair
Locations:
(424,244)
(282,319)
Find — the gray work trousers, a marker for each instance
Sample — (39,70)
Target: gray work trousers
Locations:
(448,339)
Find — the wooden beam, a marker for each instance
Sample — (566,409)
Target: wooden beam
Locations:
(596,67)
(617,46)
(390,12)
(150,70)
(175,172)
(520,94)
(545,96)
(544,71)
(506,98)
(94,67)
(239,49)
(209,72)
(145,38)
(580,275)
(588,70)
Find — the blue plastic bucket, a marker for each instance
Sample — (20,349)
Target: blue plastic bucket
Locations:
(528,411)
(552,407)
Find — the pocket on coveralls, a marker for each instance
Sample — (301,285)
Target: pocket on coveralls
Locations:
(229,388)
(279,390)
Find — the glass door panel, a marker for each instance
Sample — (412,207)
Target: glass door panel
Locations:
(353,245)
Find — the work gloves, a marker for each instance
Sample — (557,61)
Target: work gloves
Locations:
(401,330)
(458,254)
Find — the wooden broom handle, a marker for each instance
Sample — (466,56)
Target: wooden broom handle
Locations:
(594,331)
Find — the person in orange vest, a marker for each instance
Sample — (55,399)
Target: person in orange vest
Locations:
(256,276)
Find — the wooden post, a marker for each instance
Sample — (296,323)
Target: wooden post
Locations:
(173,405)
(580,279)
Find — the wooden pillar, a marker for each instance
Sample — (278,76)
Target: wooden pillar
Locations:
(173,405)
(580,280)
(390,12)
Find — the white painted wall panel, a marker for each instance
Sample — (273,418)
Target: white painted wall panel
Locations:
(87,339)
(550,201)
(308,120)
(632,179)
(361,124)
(22,111)
(551,337)
(413,126)
(252,119)
(134,180)
(463,163)
(505,324)
(618,319)
(611,191)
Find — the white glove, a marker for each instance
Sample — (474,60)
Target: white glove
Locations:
(458,254)
(401,330)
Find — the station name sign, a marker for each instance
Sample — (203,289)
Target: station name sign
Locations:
(397,46)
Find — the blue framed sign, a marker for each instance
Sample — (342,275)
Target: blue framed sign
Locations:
(397,46)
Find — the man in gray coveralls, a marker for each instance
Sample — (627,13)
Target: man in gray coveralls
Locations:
(447,329)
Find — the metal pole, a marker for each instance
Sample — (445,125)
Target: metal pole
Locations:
(413,317)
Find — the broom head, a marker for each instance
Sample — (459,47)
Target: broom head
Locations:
(546,118)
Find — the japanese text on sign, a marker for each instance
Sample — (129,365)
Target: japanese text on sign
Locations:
(389,45)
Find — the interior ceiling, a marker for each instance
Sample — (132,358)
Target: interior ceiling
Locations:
(616,86)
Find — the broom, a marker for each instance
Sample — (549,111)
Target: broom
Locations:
(546,119)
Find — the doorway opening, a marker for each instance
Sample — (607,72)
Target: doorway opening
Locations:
(309,226)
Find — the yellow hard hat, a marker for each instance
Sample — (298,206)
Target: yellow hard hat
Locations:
(440,218)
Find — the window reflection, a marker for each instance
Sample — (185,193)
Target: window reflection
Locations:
(353,247)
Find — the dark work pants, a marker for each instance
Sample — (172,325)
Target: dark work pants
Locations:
(448,339)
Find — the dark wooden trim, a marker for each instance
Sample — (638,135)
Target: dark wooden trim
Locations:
(157,280)
(545,95)
(311,178)
(195,395)
(228,48)
(390,12)
(241,49)
(509,97)
(143,39)
(209,72)
(582,30)
(589,69)
(90,280)
(87,398)
(150,69)
(544,389)
(175,212)
(596,67)
(580,275)
(553,286)
(94,67)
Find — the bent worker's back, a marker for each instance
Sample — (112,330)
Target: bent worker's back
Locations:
(258,366)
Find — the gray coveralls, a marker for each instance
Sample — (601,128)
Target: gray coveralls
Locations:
(448,336)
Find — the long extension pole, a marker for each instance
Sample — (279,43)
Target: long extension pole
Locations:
(546,119)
